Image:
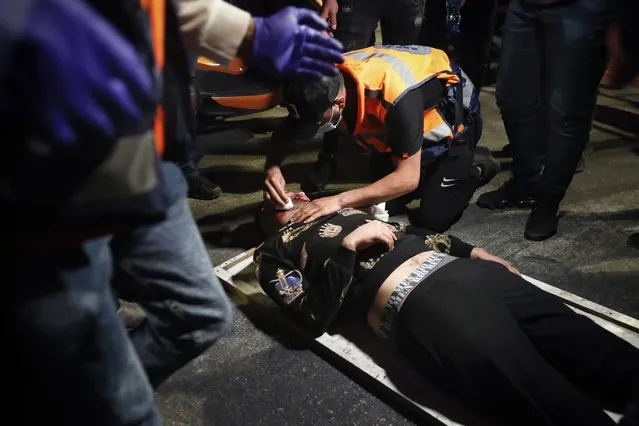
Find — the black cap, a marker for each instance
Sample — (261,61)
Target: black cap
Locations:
(306,101)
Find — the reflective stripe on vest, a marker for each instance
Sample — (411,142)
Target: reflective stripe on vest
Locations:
(468,89)
(438,127)
(400,67)
(383,74)
(156,10)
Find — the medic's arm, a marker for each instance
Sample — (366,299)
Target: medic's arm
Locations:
(279,146)
(214,28)
(315,303)
(404,127)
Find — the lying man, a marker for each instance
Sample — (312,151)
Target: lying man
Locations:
(464,318)
(411,106)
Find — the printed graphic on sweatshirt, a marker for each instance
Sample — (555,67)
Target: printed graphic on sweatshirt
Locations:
(370,263)
(288,285)
(289,233)
(328,230)
(398,226)
(349,212)
(303,257)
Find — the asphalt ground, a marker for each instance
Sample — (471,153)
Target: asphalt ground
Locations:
(258,375)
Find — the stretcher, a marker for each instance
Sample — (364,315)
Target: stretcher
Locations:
(372,363)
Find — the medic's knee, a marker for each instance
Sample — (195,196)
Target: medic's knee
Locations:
(436,221)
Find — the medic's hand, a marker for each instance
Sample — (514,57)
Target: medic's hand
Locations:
(293,42)
(274,186)
(329,12)
(316,209)
(80,77)
(373,232)
(480,253)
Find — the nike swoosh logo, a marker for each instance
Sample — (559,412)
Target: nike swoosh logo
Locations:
(445,183)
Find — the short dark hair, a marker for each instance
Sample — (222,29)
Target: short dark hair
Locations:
(266,223)
(307,100)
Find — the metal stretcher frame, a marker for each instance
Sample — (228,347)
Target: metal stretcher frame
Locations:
(337,348)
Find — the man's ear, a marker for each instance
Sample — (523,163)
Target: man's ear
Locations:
(341,102)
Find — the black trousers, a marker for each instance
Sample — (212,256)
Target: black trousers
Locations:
(446,183)
(401,22)
(552,59)
(472,45)
(629,28)
(514,351)
(445,188)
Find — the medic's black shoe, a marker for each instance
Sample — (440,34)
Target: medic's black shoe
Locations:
(200,188)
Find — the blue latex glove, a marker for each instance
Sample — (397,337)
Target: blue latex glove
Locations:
(76,75)
(293,42)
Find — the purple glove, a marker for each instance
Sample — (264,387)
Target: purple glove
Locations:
(78,77)
(293,42)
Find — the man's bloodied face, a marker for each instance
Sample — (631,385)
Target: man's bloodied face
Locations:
(271,219)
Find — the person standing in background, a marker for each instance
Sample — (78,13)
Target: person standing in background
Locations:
(199,186)
(552,59)
(472,44)
(629,42)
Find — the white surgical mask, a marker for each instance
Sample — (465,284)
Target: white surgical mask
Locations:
(331,124)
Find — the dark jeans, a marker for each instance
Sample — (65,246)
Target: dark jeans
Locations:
(74,364)
(166,269)
(552,59)
(401,22)
(68,340)
(183,150)
(474,39)
(629,29)
(512,350)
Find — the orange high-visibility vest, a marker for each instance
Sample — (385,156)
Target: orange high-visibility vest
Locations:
(156,9)
(382,75)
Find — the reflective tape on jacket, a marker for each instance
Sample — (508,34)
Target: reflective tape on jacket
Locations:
(383,75)
(470,96)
